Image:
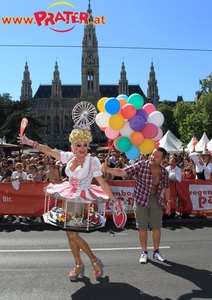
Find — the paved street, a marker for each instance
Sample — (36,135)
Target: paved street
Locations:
(35,262)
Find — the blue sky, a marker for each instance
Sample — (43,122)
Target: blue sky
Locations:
(177,24)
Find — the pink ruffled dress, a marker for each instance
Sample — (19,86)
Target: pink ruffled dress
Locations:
(79,184)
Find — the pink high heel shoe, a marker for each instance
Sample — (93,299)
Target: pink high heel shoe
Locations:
(98,273)
(73,275)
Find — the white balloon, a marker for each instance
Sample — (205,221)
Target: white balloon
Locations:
(156,117)
(102,119)
(126,130)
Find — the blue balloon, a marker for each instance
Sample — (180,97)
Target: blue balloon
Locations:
(122,96)
(133,153)
(112,106)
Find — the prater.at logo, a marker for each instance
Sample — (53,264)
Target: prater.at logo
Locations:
(58,17)
(67,17)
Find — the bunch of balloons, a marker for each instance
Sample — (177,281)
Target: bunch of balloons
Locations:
(132,125)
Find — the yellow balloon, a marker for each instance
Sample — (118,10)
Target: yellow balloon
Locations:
(147,146)
(101,104)
(116,122)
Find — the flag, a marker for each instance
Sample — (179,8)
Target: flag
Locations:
(200,82)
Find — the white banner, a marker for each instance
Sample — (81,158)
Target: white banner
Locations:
(201,196)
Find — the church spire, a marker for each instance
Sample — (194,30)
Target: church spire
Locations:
(90,61)
(56,83)
(123,82)
(26,89)
(152,90)
(89,11)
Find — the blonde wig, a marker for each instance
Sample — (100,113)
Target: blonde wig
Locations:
(78,135)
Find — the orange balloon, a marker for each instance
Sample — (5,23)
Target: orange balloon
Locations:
(157,144)
(122,103)
(136,138)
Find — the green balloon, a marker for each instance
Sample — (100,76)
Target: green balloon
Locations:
(123,144)
(137,100)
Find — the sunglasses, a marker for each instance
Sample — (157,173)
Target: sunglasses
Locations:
(80,145)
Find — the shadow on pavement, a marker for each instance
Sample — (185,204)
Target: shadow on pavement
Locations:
(170,223)
(201,278)
(105,290)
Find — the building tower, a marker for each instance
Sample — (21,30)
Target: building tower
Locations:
(123,82)
(152,90)
(56,91)
(26,89)
(90,90)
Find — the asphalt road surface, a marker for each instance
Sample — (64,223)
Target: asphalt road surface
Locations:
(35,261)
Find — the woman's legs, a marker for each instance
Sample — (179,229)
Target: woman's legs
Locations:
(76,243)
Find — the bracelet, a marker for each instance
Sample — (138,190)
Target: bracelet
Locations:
(34,145)
(168,201)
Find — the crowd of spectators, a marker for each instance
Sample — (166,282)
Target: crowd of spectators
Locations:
(38,167)
(30,168)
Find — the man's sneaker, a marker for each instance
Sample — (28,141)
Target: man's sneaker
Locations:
(158,256)
(143,258)
(16,220)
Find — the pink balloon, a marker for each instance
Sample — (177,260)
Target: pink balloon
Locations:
(150,130)
(111,133)
(128,111)
(149,108)
(159,135)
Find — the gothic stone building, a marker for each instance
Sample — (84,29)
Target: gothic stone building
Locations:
(56,101)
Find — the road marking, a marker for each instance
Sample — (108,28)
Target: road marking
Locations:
(68,250)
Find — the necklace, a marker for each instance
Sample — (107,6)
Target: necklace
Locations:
(80,162)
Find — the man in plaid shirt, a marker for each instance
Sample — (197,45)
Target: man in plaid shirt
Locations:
(151,179)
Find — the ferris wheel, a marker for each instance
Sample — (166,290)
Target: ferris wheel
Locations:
(84,114)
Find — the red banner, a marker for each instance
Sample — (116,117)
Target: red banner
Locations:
(194,197)
(188,197)
(27,201)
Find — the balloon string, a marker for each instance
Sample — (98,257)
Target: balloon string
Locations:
(111,148)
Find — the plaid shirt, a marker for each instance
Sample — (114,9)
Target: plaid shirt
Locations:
(143,182)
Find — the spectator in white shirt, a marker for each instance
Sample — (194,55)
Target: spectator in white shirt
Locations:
(175,172)
(203,165)
(18,176)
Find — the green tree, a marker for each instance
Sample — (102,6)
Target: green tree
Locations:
(207,85)
(169,122)
(182,112)
(12,114)
(200,120)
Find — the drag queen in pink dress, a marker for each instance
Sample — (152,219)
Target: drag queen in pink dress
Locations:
(81,168)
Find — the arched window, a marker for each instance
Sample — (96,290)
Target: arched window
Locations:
(66,124)
(48,124)
(90,80)
(66,147)
(56,124)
